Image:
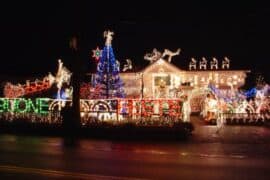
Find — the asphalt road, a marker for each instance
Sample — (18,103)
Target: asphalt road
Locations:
(236,152)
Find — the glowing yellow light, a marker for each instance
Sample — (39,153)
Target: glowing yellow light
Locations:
(203,79)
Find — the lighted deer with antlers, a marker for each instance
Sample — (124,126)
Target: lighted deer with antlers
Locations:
(203,63)
(226,63)
(192,64)
(154,56)
(214,63)
(169,53)
(128,65)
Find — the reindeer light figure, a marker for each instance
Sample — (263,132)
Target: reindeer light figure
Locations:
(214,63)
(63,75)
(154,56)
(50,78)
(226,63)
(108,35)
(128,65)
(192,64)
(203,63)
(169,53)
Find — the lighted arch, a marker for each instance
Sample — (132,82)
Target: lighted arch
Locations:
(103,103)
(263,105)
(242,108)
(57,104)
(85,106)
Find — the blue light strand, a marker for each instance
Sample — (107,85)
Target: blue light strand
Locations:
(238,95)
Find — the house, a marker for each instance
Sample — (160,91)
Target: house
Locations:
(162,79)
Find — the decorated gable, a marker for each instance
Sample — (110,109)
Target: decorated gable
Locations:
(161,66)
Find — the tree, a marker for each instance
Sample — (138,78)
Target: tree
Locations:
(107,76)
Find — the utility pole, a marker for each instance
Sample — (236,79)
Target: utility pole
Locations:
(72,119)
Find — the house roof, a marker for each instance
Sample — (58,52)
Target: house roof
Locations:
(161,63)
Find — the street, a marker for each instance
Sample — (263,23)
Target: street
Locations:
(235,152)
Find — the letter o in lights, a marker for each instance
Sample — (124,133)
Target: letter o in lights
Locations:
(21,105)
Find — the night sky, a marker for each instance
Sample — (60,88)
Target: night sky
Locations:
(35,35)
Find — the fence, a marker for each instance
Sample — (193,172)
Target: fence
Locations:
(45,110)
(245,118)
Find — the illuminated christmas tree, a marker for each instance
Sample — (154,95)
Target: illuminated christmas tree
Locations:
(107,77)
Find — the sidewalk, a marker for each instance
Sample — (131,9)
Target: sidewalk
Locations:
(229,134)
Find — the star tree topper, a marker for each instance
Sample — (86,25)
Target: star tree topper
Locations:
(97,53)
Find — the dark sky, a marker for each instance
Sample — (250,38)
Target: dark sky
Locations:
(35,35)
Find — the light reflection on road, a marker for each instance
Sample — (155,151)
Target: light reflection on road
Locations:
(235,148)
